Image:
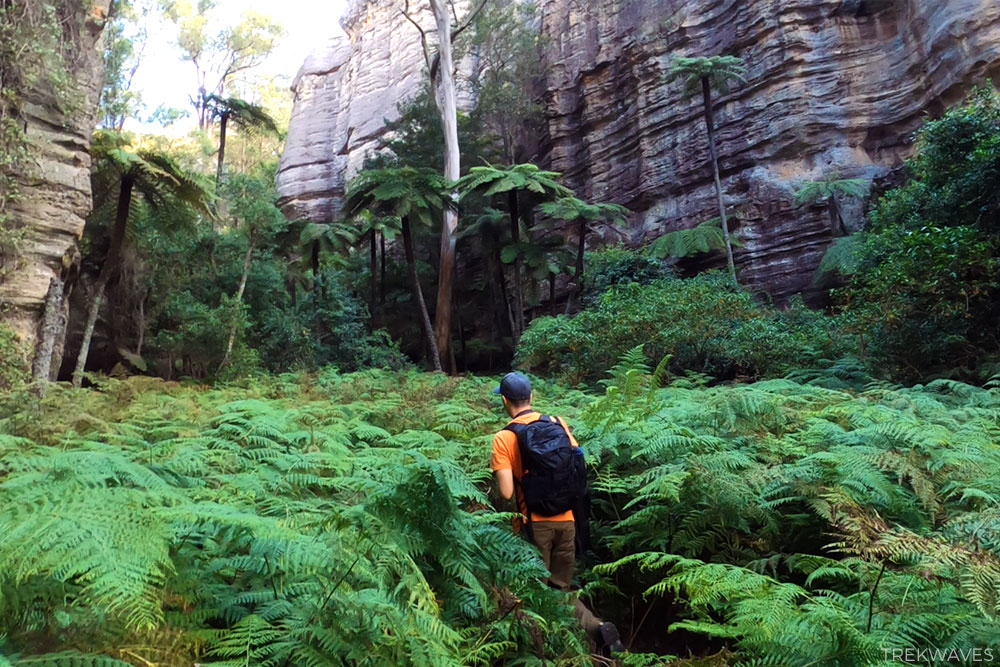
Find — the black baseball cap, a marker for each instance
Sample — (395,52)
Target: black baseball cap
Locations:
(514,387)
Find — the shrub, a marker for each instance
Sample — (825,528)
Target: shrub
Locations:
(705,323)
(617,265)
(13,359)
(925,277)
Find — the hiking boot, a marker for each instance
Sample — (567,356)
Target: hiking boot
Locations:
(612,640)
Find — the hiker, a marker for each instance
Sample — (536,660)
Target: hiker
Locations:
(551,484)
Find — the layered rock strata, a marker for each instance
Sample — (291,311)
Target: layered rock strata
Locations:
(54,197)
(833,87)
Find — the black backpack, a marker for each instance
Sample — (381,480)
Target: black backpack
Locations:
(554,478)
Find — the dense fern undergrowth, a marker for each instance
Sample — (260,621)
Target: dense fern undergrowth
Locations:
(344,519)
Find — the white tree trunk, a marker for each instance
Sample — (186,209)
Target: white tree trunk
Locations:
(247,261)
(445,97)
(88,334)
(47,334)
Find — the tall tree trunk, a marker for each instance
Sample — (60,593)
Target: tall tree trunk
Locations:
(836,219)
(418,294)
(513,208)
(247,261)
(552,294)
(581,234)
(41,368)
(223,121)
(381,292)
(505,302)
(706,92)
(107,270)
(447,106)
(373,270)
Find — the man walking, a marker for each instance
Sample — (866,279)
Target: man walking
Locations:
(537,459)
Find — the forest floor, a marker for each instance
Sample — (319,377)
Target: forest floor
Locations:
(324,518)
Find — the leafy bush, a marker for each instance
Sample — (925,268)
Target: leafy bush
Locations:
(617,265)
(340,519)
(705,323)
(13,359)
(924,279)
(206,529)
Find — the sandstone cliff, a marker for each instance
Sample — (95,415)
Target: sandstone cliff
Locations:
(833,86)
(54,197)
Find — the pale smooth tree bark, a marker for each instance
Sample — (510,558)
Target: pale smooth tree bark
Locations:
(442,72)
(41,368)
(247,261)
(445,95)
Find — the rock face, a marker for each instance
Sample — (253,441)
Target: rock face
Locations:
(55,197)
(344,93)
(833,86)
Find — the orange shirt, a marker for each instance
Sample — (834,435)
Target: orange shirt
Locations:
(506,456)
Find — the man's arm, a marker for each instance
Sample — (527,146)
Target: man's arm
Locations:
(505,482)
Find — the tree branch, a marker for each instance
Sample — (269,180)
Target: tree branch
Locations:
(423,36)
(459,29)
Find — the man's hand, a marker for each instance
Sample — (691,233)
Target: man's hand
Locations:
(505,483)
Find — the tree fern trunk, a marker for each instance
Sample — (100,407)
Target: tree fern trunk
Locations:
(418,294)
(107,270)
(552,294)
(223,121)
(706,91)
(373,281)
(836,219)
(507,314)
(515,235)
(381,292)
(581,248)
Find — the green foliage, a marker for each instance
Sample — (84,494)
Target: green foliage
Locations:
(708,326)
(924,278)
(397,191)
(720,71)
(219,52)
(527,178)
(241,113)
(338,519)
(798,524)
(156,175)
(417,138)
(617,265)
(14,361)
(821,191)
(314,527)
(703,238)
(573,210)
(125,37)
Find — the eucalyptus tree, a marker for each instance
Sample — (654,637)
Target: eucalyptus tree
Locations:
(158,180)
(828,191)
(412,195)
(441,68)
(218,52)
(707,75)
(521,184)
